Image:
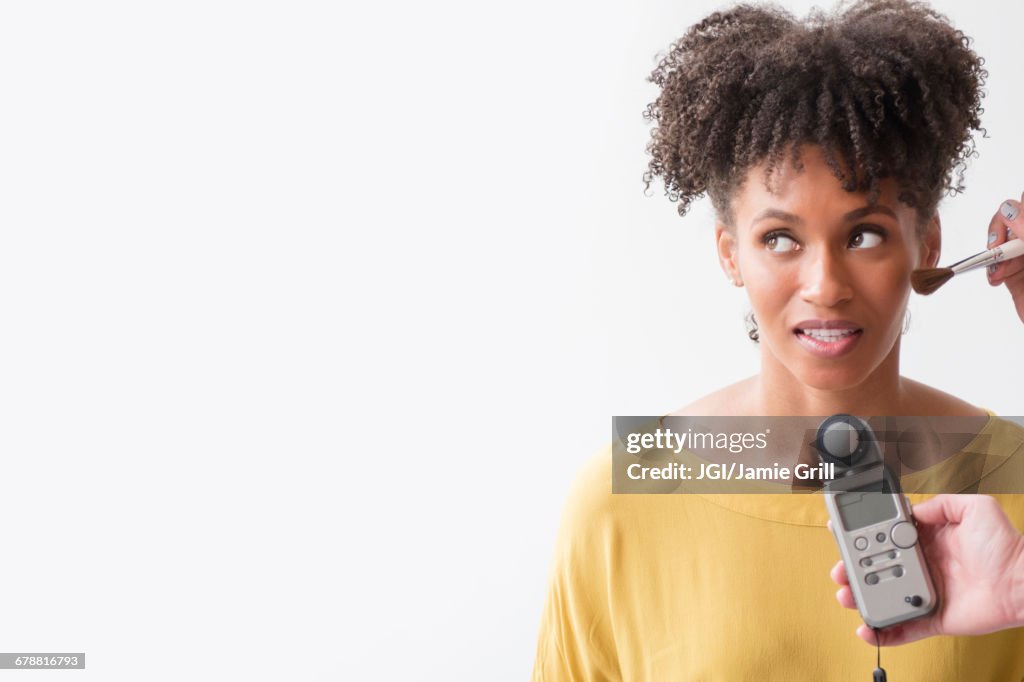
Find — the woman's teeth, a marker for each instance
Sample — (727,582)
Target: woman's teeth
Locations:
(828,335)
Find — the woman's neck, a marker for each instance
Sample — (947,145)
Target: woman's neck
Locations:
(884,391)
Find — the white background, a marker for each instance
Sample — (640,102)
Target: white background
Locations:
(311,312)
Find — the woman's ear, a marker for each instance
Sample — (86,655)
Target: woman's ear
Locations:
(725,241)
(932,243)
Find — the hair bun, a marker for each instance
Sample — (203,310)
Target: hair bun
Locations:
(887,88)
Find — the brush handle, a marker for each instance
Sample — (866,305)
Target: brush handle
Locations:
(1011,249)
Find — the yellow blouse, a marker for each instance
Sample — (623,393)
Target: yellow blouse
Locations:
(687,587)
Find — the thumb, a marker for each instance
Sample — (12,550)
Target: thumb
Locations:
(942,509)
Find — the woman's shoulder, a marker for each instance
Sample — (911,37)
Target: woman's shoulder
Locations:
(930,401)
(590,494)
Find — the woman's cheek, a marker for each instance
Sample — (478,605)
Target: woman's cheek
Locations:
(891,281)
(776,282)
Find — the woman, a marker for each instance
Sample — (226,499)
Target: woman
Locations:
(825,147)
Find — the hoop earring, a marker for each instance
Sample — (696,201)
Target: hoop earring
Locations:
(752,327)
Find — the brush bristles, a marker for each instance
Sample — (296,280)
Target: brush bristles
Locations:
(928,280)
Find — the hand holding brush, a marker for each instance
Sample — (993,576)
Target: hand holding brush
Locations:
(1003,246)
(1007,224)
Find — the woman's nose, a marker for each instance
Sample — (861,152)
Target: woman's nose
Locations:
(825,281)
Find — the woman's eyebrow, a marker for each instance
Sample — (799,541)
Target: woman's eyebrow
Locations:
(797,220)
(778,215)
(869,210)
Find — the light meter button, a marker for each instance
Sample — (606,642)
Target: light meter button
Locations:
(861,543)
(903,535)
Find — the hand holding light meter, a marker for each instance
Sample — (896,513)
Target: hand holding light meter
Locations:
(977,560)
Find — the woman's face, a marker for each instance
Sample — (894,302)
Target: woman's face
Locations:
(828,275)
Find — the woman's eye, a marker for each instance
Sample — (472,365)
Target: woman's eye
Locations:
(779,242)
(865,239)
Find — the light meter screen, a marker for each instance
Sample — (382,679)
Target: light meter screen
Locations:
(862,509)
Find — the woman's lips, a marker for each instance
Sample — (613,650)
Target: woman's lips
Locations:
(829,348)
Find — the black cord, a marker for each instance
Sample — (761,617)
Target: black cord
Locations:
(879,674)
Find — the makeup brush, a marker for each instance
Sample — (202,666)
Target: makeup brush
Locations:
(927,280)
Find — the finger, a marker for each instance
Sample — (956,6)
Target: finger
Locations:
(1014,280)
(1007,272)
(1010,212)
(889,637)
(896,635)
(1012,223)
(927,534)
(845,598)
(1007,269)
(996,236)
(838,574)
(866,633)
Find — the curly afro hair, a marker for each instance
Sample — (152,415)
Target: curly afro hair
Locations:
(887,88)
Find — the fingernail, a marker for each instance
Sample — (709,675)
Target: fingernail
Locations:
(992,269)
(991,238)
(1009,211)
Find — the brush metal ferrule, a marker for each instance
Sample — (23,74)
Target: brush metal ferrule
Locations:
(983,259)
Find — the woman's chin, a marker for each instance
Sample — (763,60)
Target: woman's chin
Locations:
(840,374)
